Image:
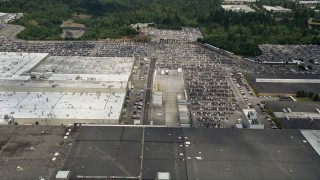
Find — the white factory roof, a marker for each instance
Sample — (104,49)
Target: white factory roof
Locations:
(276,8)
(240,0)
(63,71)
(309,2)
(252,112)
(244,8)
(3,14)
(12,65)
(15,77)
(89,77)
(265,80)
(88,65)
(102,106)
(66,84)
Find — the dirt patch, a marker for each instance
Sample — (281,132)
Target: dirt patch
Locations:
(33,22)
(70,23)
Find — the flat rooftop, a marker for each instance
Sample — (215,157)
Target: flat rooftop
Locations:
(192,153)
(87,65)
(251,154)
(276,8)
(27,153)
(185,34)
(88,77)
(101,107)
(2,14)
(63,73)
(187,153)
(233,7)
(86,72)
(285,87)
(117,150)
(300,123)
(278,106)
(13,64)
(312,136)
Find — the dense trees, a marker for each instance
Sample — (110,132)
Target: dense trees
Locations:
(237,32)
(42,18)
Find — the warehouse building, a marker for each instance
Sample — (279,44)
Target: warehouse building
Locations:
(276,9)
(78,152)
(307,3)
(15,66)
(284,84)
(237,8)
(296,114)
(60,108)
(240,1)
(250,119)
(313,24)
(3,17)
(39,89)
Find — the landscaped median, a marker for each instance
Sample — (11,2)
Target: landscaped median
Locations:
(251,85)
(274,118)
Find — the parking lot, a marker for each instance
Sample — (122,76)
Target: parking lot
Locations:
(68,48)
(118,48)
(186,34)
(134,105)
(289,53)
(8,32)
(212,103)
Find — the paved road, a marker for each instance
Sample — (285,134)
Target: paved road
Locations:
(148,96)
(139,84)
(95,50)
(10,31)
(235,90)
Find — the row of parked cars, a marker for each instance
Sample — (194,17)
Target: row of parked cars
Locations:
(138,105)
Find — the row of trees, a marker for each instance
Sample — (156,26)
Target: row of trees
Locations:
(274,117)
(238,32)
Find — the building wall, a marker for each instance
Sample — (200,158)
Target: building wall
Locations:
(42,121)
(3,17)
(61,89)
(246,122)
(263,80)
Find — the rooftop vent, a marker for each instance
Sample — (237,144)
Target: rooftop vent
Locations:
(63,175)
(163,176)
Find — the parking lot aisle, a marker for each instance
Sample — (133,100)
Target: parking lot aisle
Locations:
(95,50)
(235,90)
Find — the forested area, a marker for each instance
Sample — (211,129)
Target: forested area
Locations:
(238,32)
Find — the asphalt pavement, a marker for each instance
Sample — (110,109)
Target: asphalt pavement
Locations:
(148,96)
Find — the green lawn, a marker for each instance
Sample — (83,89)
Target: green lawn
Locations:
(303,99)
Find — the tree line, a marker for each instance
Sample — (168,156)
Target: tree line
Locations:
(238,32)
